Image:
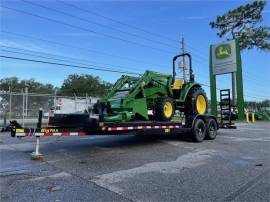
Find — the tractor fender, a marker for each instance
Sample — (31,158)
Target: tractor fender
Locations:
(186,89)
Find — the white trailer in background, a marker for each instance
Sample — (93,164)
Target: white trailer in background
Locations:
(68,105)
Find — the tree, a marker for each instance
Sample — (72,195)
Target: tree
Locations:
(15,85)
(257,105)
(79,85)
(242,24)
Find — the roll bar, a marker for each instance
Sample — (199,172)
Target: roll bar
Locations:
(191,75)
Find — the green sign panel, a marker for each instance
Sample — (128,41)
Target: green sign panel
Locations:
(225,58)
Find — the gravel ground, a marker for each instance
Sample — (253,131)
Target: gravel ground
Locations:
(234,167)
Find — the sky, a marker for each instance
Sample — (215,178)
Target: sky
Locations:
(131,36)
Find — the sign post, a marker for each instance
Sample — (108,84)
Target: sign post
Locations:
(225,58)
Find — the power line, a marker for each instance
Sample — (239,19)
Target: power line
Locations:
(128,25)
(195,49)
(116,21)
(96,23)
(68,65)
(78,27)
(93,68)
(89,21)
(257,96)
(74,66)
(78,47)
(33,55)
(70,15)
(204,58)
(245,75)
(16,10)
(54,55)
(84,29)
(201,83)
(201,55)
(50,57)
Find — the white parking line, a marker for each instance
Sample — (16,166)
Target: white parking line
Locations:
(54,176)
(240,139)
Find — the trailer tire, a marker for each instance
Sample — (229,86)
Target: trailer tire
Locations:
(198,130)
(211,129)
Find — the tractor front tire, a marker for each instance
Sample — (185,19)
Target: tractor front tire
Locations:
(196,102)
(164,109)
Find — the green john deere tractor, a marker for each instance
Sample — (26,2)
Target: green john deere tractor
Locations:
(153,96)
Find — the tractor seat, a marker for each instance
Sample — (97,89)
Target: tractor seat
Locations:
(178,84)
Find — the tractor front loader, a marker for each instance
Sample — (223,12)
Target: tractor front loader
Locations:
(133,98)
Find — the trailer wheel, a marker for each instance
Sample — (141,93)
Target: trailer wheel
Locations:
(198,130)
(211,129)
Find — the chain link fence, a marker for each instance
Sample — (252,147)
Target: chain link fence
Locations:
(23,107)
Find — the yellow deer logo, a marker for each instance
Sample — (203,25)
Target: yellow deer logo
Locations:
(223,51)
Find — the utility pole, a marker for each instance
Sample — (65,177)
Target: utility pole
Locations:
(54,99)
(23,103)
(183,65)
(10,102)
(234,89)
(26,100)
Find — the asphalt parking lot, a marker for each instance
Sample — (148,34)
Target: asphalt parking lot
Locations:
(234,167)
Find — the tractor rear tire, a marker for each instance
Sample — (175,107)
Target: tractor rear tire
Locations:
(164,109)
(196,102)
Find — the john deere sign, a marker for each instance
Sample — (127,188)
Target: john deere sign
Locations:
(223,51)
(224,58)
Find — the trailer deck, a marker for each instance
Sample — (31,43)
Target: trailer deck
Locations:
(105,128)
(200,127)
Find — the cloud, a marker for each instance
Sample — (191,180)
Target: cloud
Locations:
(28,46)
(74,34)
(23,45)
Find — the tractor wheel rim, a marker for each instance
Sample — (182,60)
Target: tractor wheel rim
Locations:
(201,104)
(168,109)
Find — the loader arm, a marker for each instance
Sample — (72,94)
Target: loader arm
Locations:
(159,80)
(119,84)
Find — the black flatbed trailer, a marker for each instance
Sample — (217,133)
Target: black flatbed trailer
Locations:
(200,127)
